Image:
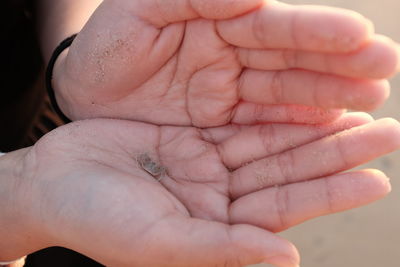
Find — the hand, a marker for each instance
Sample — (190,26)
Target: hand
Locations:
(133,194)
(210,62)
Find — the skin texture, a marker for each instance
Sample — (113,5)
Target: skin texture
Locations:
(133,194)
(112,208)
(206,63)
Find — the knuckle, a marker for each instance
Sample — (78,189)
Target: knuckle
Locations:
(276,87)
(289,58)
(282,203)
(286,163)
(258,27)
(267,136)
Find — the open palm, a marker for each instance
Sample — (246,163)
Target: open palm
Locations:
(134,194)
(207,63)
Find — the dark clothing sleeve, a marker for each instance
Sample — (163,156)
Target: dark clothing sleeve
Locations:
(21,64)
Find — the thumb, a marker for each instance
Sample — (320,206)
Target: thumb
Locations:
(205,243)
(163,12)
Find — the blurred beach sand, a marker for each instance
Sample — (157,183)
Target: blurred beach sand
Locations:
(368,236)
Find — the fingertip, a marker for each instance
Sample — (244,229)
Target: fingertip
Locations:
(390,128)
(379,175)
(282,261)
(369,27)
(354,189)
(272,248)
(290,259)
(358,118)
(389,56)
(378,93)
(339,30)
(390,123)
(381,58)
(376,181)
(366,95)
(360,28)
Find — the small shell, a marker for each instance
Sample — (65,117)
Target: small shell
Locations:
(150,166)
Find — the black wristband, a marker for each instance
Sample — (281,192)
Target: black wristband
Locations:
(49,76)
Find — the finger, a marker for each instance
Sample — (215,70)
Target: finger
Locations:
(264,140)
(379,59)
(311,28)
(324,157)
(312,89)
(217,135)
(279,208)
(250,113)
(196,242)
(162,13)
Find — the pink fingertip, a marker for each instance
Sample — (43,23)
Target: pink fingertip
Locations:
(387,57)
(340,30)
(283,261)
(361,117)
(365,31)
(291,259)
(378,93)
(391,130)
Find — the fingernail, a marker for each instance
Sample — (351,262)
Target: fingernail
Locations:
(283,261)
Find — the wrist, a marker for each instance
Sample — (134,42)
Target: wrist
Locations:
(18,236)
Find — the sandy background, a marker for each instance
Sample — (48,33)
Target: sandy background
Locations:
(368,236)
